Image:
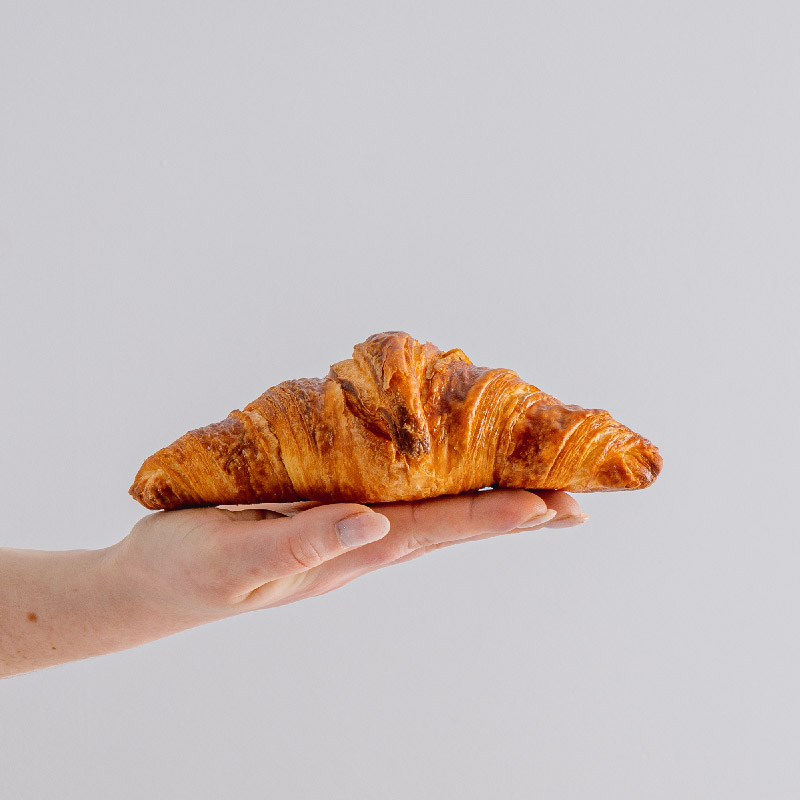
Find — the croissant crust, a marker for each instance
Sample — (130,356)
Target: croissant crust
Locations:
(400,420)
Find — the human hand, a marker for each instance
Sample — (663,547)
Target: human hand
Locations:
(197,565)
(179,569)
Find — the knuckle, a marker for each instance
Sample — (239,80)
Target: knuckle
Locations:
(506,512)
(508,518)
(414,541)
(472,508)
(386,553)
(415,554)
(303,552)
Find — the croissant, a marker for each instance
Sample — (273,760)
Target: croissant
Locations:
(400,420)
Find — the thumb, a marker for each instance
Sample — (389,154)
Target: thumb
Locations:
(279,547)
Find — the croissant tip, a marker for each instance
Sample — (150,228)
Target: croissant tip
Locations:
(151,489)
(644,464)
(634,465)
(141,492)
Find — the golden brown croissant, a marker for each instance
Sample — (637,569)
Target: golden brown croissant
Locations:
(398,421)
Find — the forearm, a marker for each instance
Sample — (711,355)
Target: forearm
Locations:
(68,605)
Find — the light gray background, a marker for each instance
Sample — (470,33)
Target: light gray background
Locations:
(199,200)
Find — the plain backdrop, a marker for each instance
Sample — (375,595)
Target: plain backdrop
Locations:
(200,200)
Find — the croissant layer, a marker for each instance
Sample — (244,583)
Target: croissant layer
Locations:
(400,420)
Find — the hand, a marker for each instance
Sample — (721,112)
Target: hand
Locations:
(179,569)
(198,565)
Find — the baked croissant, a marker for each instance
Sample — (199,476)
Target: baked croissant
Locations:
(400,420)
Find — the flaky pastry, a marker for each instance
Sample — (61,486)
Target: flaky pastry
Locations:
(400,420)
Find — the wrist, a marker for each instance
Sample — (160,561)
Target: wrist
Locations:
(147,602)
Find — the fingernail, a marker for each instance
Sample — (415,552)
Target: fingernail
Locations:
(539,519)
(569,522)
(362,528)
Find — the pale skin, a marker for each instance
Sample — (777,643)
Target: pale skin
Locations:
(179,569)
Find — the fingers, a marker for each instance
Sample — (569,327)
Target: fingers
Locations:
(563,512)
(265,549)
(568,512)
(430,522)
(423,525)
(326,546)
